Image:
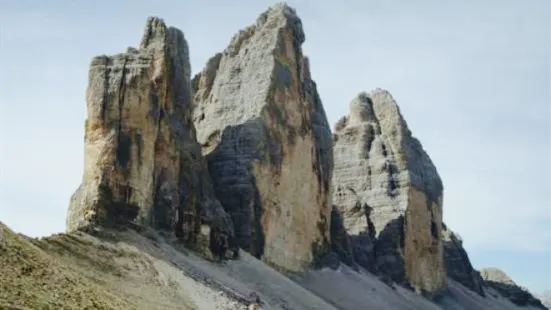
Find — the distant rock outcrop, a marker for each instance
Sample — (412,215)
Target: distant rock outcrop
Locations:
(545,298)
(389,194)
(506,287)
(458,264)
(267,141)
(496,275)
(142,162)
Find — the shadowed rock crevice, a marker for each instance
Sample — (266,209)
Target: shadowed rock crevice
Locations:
(239,190)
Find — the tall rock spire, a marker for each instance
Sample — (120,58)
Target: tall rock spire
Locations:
(142,162)
(389,192)
(267,141)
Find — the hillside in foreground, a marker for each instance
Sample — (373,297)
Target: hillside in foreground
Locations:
(127,270)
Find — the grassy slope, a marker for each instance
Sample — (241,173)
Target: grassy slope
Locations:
(127,270)
(80,271)
(33,279)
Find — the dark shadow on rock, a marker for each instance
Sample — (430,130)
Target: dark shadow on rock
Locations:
(516,294)
(363,251)
(340,250)
(340,240)
(229,166)
(380,256)
(230,155)
(458,264)
(388,252)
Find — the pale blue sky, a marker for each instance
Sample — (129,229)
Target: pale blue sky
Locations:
(472,79)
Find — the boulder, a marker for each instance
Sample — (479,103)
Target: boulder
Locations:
(267,141)
(142,162)
(389,193)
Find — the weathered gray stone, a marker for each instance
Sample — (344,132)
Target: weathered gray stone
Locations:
(142,162)
(388,191)
(267,141)
(502,283)
(458,264)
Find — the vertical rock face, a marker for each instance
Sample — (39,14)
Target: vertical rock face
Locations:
(267,141)
(458,264)
(388,191)
(142,162)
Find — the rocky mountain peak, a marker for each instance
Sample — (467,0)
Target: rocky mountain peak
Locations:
(379,107)
(155,33)
(361,110)
(282,15)
(388,192)
(143,165)
(267,141)
(270,22)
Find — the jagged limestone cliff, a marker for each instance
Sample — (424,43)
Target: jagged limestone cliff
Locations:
(267,141)
(389,193)
(142,162)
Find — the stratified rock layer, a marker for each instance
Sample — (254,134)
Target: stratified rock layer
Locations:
(267,141)
(458,264)
(388,191)
(142,162)
(502,283)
